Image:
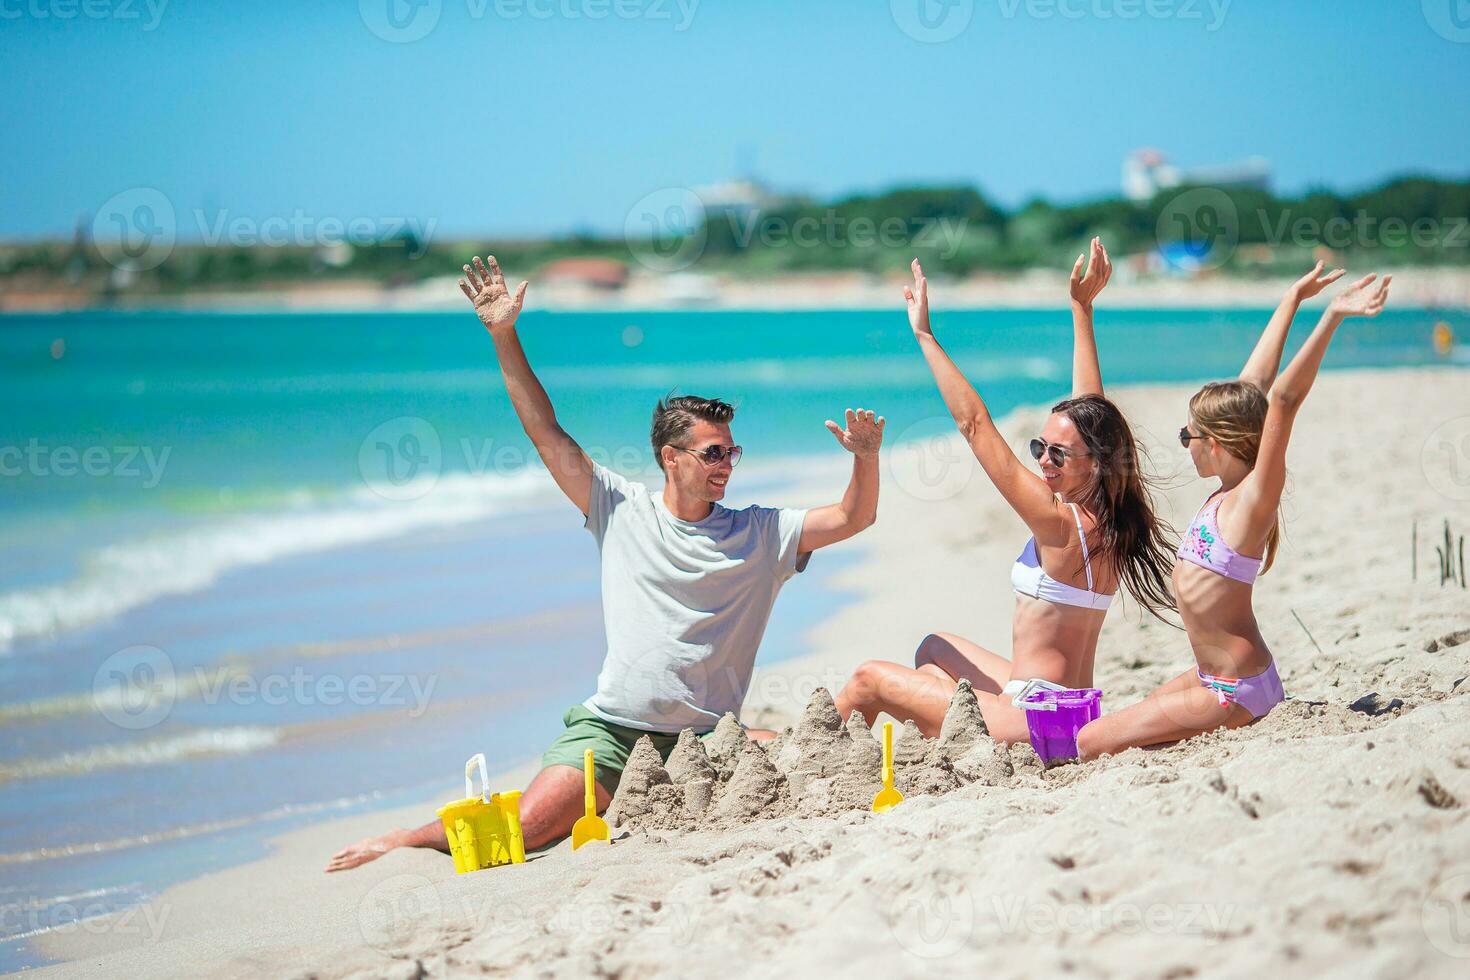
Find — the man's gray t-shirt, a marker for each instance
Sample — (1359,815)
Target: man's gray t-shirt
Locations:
(684,603)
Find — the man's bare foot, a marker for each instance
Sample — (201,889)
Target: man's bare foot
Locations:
(364,851)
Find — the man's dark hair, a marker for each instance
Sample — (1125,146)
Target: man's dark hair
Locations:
(673,416)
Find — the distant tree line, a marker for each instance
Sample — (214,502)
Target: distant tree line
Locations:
(956,230)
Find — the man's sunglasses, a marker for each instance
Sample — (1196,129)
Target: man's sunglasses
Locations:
(710,455)
(1057,454)
(1185,435)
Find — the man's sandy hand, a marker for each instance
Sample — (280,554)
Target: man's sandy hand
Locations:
(494,304)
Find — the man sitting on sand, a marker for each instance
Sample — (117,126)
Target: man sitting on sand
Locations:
(687,585)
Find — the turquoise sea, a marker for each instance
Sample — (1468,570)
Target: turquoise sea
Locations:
(259,568)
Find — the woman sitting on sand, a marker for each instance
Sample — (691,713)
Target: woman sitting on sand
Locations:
(1092,526)
(1238,434)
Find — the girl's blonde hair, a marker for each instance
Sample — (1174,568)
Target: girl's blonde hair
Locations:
(1233,413)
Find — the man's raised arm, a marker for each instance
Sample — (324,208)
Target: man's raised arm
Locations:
(858,509)
(498,310)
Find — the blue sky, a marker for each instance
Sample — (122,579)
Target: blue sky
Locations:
(512,117)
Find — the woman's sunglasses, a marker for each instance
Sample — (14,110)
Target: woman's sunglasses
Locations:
(1185,435)
(710,455)
(1057,454)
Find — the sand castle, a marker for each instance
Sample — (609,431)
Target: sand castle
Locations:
(821,766)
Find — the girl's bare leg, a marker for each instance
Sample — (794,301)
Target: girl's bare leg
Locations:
(1173,712)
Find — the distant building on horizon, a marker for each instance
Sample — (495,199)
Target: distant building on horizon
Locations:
(741,197)
(1148,171)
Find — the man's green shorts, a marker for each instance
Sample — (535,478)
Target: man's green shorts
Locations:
(610,744)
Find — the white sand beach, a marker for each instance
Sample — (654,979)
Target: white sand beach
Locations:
(1332,837)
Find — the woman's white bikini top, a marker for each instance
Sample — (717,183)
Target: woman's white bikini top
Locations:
(1029,578)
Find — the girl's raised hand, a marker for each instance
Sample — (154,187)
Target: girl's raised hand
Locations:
(1362,298)
(1314,282)
(1099,269)
(917,297)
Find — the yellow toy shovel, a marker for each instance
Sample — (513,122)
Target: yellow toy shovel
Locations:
(887,797)
(590,827)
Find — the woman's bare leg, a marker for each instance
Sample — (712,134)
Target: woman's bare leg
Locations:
(1005,722)
(903,692)
(959,659)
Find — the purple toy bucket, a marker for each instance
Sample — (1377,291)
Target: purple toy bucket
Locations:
(1054,730)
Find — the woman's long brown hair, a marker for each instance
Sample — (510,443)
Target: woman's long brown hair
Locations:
(1126,531)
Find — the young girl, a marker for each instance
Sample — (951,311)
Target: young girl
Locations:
(1238,434)
(1092,526)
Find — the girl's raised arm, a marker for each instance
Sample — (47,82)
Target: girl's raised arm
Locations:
(1260,369)
(1261,489)
(1086,374)
(1025,491)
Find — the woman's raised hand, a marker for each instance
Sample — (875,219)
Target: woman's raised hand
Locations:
(1099,269)
(1362,298)
(917,297)
(494,304)
(1314,282)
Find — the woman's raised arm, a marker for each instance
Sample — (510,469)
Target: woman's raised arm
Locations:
(1086,374)
(1025,491)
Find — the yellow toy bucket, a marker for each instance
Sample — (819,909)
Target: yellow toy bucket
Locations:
(483,830)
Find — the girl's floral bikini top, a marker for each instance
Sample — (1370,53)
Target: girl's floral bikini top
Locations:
(1205,547)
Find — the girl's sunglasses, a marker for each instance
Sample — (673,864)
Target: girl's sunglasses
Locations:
(1185,435)
(1057,454)
(710,455)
